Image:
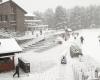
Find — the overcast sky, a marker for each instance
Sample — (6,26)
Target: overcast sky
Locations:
(41,5)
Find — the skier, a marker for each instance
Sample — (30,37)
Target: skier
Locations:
(17,70)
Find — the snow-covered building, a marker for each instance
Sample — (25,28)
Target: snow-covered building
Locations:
(33,24)
(12,17)
(8,48)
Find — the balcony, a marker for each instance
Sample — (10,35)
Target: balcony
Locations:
(13,22)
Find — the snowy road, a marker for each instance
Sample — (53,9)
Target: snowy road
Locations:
(46,65)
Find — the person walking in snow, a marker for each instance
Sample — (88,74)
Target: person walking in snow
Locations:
(82,39)
(17,70)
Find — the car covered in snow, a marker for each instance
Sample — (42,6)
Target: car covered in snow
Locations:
(59,40)
(75,51)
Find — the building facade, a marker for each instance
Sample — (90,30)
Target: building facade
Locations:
(12,17)
(33,24)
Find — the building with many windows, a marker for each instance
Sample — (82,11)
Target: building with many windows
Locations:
(34,25)
(12,17)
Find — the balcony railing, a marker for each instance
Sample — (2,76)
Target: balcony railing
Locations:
(7,23)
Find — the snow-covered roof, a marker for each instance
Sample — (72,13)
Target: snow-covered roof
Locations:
(69,29)
(9,46)
(38,26)
(33,20)
(29,14)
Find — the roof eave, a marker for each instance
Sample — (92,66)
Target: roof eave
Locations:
(16,5)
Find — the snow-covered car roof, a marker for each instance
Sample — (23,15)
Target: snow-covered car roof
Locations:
(75,48)
(60,39)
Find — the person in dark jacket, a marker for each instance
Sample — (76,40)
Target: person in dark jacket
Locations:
(82,39)
(17,70)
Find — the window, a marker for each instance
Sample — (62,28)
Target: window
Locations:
(6,17)
(3,18)
(12,17)
(0,18)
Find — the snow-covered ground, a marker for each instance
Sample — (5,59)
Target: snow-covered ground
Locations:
(46,65)
(91,44)
(91,50)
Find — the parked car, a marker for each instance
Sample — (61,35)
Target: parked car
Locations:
(59,40)
(75,51)
(63,60)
